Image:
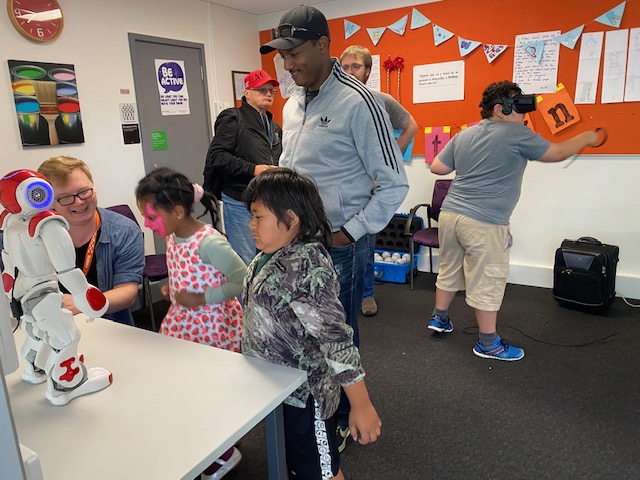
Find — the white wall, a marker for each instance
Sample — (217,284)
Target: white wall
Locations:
(95,40)
(593,196)
(235,45)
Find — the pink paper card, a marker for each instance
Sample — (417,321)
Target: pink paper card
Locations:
(435,138)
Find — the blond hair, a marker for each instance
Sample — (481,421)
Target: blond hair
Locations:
(354,50)
(58,169)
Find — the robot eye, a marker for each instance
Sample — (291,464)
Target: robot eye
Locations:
(39,195)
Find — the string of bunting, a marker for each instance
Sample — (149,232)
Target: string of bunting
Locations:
(612,18)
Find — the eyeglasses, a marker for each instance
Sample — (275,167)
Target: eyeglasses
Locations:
(354,67)
(265,91)
(71,199)
(286,30)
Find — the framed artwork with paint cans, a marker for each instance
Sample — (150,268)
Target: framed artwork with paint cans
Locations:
(47,104)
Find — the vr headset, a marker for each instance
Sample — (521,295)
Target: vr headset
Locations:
(519,103)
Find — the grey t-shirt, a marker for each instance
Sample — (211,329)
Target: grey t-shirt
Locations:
(397,113)
(489,160)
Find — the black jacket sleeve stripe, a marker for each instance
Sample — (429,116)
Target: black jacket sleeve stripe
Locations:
(376,112)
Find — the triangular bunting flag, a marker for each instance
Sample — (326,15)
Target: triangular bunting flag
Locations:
(399,26)
(376,34)
(350,28)
(467,46)
(418,20)
(570,38)
(533,50)
(440,35)
(492,50)
(613,17)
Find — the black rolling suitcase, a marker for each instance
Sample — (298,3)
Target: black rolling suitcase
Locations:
(584,274)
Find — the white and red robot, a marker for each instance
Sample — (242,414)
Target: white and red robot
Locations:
(38,252)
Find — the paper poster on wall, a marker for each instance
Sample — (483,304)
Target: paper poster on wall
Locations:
(632,86)
(588,67)
(172,87)
(557,109)
(435,138)
(46,99)
(374,78)
(438,82)
(615,66)
(284,77)
(535,62)
(129,123)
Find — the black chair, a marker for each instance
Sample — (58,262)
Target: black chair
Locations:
(155,266)
(427,236)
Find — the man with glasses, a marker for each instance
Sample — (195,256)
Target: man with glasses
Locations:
(109,246)
(356,60)
(335,131)
(246,143)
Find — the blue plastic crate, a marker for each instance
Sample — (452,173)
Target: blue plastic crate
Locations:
(392,272)
(392,240)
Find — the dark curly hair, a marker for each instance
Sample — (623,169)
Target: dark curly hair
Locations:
(167,188)
(282,189)
(494,91)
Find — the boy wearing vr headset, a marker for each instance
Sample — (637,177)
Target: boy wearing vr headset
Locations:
(475,241)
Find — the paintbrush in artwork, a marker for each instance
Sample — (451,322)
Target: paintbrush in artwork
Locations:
(46,95)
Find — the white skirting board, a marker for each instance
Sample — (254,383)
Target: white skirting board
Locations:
(627,285)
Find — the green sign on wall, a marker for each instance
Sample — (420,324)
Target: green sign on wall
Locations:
(159,140)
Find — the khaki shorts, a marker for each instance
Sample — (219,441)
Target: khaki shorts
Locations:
(474,256)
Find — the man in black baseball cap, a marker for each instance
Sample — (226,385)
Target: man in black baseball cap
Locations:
(336,132)
(296,27)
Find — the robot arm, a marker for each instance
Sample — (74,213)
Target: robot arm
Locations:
(87,298)
(57,241)
(7,273)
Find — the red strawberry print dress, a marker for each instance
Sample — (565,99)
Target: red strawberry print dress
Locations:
(218,324)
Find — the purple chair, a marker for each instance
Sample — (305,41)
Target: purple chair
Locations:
(427,236)
(155,266)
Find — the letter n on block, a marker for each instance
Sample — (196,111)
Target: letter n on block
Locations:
(558,109)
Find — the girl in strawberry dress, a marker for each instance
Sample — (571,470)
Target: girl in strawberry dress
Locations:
(205,274)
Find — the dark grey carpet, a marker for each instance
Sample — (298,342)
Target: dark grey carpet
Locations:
(561,412)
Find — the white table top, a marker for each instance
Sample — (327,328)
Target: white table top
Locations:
(173,408)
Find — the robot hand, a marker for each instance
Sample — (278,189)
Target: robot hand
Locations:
(87,298)
(92,302)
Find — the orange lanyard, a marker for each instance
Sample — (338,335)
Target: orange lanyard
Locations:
(88,257)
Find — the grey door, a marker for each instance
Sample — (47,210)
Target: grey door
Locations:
(188,136)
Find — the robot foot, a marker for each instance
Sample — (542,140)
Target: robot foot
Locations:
(33,374)
(98,378)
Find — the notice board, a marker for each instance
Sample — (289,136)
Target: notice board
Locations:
(495,22)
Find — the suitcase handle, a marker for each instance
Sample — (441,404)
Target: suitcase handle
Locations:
(592,240)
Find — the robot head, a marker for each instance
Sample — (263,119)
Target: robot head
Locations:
(25,192)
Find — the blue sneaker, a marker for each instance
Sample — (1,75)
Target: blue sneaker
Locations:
(436,323)
(499,350)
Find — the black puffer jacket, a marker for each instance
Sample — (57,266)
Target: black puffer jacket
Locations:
(240,143)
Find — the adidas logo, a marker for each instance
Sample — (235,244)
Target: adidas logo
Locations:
(324,122)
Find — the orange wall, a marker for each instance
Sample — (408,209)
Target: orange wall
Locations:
(491,21)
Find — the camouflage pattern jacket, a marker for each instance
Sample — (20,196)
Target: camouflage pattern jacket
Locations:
(292,317)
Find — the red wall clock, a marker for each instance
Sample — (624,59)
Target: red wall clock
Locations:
(38,20)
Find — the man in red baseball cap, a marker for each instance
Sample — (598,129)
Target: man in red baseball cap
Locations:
(246,143)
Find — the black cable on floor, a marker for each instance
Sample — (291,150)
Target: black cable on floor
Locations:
(474,331)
